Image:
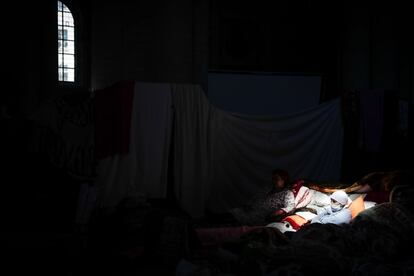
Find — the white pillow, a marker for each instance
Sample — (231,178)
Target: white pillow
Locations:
(369,204)
(282,226)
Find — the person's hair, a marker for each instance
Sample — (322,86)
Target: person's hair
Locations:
(282,173)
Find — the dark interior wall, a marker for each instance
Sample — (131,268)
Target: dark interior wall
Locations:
(353,45)
(29,61)
(156,41)
(29,70)
(374,52)
(276,36)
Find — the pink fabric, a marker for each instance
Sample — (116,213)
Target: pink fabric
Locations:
(113,108)
(297,197)
(296,187)
(303,197)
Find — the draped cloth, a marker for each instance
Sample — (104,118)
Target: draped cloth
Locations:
(113,108)
(142,171)
(193,135)
(223,158)
(246,149)
(220,159)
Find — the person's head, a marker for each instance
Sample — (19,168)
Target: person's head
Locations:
(339,199)
(280,178)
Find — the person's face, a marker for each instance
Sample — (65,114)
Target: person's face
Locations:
(335,205)
(278,182)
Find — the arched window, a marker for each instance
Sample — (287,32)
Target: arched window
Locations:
(66,43)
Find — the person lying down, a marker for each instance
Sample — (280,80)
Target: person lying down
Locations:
(281,199)
(337,212)
(284,198)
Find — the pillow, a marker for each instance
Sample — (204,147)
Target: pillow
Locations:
(282,226)
(356,206)
(295,221)
(369,204)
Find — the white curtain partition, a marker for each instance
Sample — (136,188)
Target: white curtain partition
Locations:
(193,130)
(220,159)
(246,149)
(150,137)
(143,171)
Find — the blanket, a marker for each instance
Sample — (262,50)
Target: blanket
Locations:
(372,243)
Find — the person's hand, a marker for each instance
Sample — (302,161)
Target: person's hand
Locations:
(278,212)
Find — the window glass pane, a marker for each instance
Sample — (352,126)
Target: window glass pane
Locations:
(59,20)
(66,44)
(65,9)
(60,6)
(67,19)
(70,74)
(60,73)
(69,61)
(60,60)
(65,33)
(70,33)
(60,32)
(68,47)
(60,46)
(65,74)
